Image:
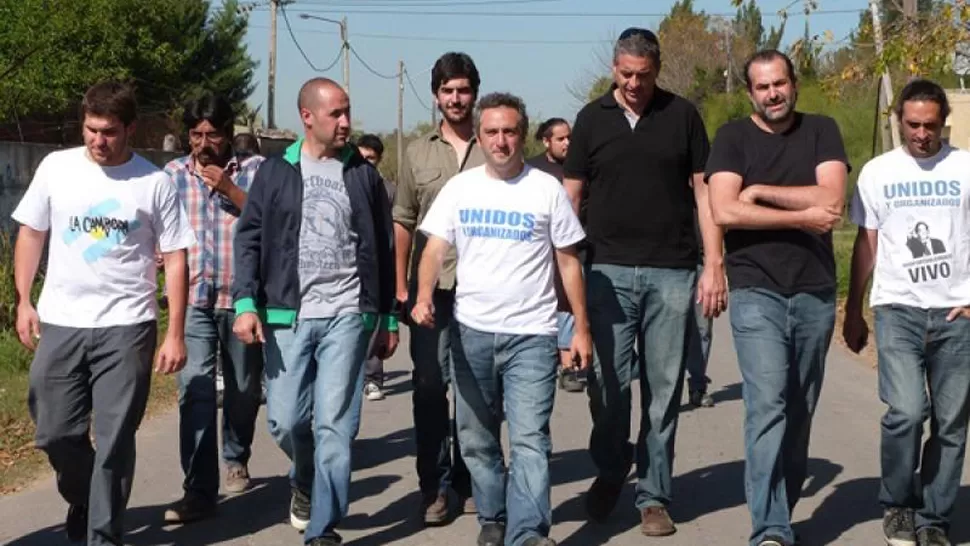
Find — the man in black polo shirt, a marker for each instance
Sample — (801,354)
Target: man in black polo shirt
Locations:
(777,184)
(554,135)
(641,151)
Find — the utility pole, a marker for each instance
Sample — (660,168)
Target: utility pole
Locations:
(400,119)
(729,74)
(890,132)
(909,8)
(271,79)
(346,46)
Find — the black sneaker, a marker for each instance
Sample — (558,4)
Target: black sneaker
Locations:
(539,541)
(300,510)
(191,507)
(898,527)
(76,525)
(700,399)
(492,534)
(326,541)
(931,536)
(570,382)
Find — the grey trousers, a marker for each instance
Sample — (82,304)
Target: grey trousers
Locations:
(107,371)
(373,366)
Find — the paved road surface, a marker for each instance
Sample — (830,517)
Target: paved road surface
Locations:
(839,505)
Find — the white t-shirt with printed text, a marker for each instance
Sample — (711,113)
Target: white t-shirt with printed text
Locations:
(505,232)
(921,208)
(104,224)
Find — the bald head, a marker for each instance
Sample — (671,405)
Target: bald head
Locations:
(317,88)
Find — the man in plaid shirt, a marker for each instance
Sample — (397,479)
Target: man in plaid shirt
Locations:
(212,183)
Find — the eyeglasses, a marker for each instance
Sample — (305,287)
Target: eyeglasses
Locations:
(636,31)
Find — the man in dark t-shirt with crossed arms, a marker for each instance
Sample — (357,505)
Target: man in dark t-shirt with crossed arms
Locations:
(777,184)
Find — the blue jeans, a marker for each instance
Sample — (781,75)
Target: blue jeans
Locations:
(314,383)
(918,347)
(514,375)
(439,462)
(206,330)
(782,342)
(649,308)
(699,345)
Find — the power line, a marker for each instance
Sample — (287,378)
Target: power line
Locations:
(450,39)
(422,3)
(415,91)
(296,42)
(557,13)
(368,67)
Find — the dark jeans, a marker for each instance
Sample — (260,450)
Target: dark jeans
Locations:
(206,330)
(782,342)
(649,308)
(107,371)
(439,462)
(918,348)
(514,376)
(699,337)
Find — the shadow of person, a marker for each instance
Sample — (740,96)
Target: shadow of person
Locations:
(400,519)
(373,452)
(574,465)
(727,393)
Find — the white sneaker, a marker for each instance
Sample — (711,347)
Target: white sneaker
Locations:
(373,392)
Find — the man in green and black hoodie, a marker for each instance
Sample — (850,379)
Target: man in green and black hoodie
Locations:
(314,277)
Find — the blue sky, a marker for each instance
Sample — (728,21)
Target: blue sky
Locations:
(536,55)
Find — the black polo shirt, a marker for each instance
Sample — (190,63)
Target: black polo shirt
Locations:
(641,203)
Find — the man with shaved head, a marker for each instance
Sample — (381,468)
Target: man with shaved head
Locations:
(314,263)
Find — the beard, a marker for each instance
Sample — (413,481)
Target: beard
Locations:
(455,118)
(777,116)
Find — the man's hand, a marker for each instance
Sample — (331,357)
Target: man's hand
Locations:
(959,312)
(385,344)
(749,195)
(28,325)
(855,332)
(712,291)
(820,220)
(216,178)
(423,314)
(248,328)
(581,350)
(171,357)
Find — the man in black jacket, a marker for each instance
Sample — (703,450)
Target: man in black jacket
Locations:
(314,277)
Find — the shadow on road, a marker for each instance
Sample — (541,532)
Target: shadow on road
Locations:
(397,382)
(727,393)
(373,452)
(400,517)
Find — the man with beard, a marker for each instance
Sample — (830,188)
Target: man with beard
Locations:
(554,136)
(212,183)
(103,210)
(640,151)
(922,320)
(513,226)
(314,277)
(429,162)
(777,181)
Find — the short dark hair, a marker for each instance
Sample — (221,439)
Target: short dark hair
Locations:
(245,144)
(545,128)
(923,90)
(638,42)
(500,100)
(372,142)
(454,65)
(212,108)
(110,98)
(765,56)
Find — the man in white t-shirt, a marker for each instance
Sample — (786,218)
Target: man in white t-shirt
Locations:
(510,225)
(920,299)
(105,209)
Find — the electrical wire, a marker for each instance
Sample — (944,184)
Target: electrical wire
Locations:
(368,67)
(548,14)
(421,3)
(415,91)
(296,42)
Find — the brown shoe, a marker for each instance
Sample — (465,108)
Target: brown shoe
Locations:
(192,507)
(237,478)
(436,509)
(656,522)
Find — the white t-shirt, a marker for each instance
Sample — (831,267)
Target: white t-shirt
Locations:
(104,224)
(920,208)
(504,232)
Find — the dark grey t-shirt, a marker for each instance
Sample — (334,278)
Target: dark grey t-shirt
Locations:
(329,284)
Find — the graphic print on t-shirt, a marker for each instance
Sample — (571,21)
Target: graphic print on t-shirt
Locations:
(931,261)
(497,224)
(105,231)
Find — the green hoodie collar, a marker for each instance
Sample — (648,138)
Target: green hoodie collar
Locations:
(292,153)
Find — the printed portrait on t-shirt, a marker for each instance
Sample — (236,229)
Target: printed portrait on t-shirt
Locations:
(921,244)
